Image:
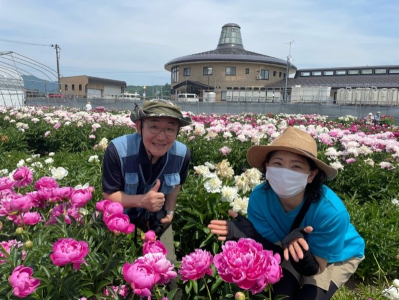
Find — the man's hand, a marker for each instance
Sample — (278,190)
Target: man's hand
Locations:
(153,200)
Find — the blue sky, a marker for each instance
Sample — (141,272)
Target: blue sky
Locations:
(132,40)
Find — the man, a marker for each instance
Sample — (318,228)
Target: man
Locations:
(145,170)
(377,118)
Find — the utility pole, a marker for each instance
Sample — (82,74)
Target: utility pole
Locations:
(57,53)
(287,72)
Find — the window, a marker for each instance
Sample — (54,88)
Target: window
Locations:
(340,72)
(175,74)
(380,71)
(264,74)
(274,73)
(230,71)
(353,72)
(393,71)
(208,71)
(66,87)
(279,74)
(367,71)
(80,87)
(304,74)
(328,73)
(247,71)
(186,72)
(73,87)
(316,73)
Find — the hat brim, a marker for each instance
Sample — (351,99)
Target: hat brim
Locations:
(256,156)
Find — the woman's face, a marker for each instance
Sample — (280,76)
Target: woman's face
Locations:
(159,143)
(291,161)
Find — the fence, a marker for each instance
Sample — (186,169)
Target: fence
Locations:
(331,110)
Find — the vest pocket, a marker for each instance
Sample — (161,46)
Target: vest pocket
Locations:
(171,180)
(131,183)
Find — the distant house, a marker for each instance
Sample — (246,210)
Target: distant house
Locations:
(91,87)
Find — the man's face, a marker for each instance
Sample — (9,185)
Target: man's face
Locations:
(158,134)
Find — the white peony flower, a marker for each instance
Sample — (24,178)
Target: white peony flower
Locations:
(59,173)
(93,158)
(49,161)
(228,194)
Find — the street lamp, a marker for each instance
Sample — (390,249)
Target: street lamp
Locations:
(289,58)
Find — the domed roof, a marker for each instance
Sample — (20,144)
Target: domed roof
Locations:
(229,48)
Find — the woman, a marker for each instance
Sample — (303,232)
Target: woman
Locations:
(321,248)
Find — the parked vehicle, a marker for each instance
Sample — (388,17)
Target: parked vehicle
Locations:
(187,97)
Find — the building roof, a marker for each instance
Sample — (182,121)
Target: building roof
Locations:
(342,81)
(97,80)
(229,48)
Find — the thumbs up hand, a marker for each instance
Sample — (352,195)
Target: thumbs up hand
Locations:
(153,200)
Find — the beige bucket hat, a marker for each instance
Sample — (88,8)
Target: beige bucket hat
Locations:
(293,140)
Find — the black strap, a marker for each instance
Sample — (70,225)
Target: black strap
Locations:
(300,215)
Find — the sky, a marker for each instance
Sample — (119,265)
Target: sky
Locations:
(132,40)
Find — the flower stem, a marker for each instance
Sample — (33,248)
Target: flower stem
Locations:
(209,293)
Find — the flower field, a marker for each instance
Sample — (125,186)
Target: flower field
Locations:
(61,240)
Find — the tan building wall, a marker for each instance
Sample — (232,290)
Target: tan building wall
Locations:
(74,86)
(220,81)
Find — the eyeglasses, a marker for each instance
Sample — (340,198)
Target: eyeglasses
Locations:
(155,129)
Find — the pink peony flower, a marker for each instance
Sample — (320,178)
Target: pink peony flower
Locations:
(225,150)
(246,264)
(119,223)
(101,205)
(154,247)
(140,277)
(8,245)
(195,265)
(23,203)
(111,209)
(47,133)
(123,290)
(46,182)
(28,218)
(6,183)
(80,197)
(150,236)
(22,282)
(23,177)
(162,268)
(61,194)
(56,126)
(68,250)
(350,160)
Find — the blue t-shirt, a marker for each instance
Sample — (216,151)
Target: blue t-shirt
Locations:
(333,238)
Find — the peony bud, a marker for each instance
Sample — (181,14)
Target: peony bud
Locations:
(396,283)
(239,296)
(19,230)
(28,244)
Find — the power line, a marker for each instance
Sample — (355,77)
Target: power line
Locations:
(10,41)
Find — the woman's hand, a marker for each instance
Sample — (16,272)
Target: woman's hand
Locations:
(294,247)
(220,228)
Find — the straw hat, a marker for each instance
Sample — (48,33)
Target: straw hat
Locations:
(370,114)
(293,140)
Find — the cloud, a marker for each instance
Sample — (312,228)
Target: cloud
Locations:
(133,40)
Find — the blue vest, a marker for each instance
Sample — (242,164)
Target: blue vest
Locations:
(128,147)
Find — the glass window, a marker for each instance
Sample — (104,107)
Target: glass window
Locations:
(393,71)
(208,71)
(66,87)
(80,87)
(264,74)
(353,72)
(328,73)
(223,95)
(274,73)
(380,71)
(279,74)
(316,73)
(186,72)
(367,71)
(73,87)
(175,74)
(247,71)
(340,72)
(230,71)
(305,74)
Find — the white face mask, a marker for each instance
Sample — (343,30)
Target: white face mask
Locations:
(286,183)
